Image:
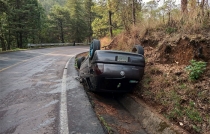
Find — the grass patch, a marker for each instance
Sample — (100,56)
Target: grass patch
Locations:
(18,49)
(196,128)
(75,64)
(192,113)
(13,50)
(108,128)
(176,112)
(174,100)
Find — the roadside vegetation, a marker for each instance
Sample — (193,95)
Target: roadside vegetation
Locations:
(176,81)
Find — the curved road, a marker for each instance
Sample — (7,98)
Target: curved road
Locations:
(39,93)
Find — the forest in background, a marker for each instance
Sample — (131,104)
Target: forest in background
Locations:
(54,21)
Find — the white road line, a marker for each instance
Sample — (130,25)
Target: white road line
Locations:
(63,104)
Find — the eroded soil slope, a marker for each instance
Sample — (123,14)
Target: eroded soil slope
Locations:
(166,85)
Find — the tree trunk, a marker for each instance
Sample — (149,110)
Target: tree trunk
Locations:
(17,39)
(110,24)
(202,6)
(133,13)
(2,43)
(169,18)
(19,34)
(8,41)
(90,28)
(207,8)
(21,40)
(62,35)
(163,18)
(184,6)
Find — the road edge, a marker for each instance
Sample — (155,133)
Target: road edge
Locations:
(63,103)
(90,100)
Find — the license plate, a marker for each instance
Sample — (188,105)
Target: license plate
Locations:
(122,58)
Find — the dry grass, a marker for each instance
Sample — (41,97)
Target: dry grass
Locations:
(157,29)
(105,41)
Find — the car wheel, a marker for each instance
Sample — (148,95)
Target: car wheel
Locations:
(95,45)
(138,49)
(79,61)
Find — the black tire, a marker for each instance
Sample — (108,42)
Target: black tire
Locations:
(95,45)
(79,61)
(138,49)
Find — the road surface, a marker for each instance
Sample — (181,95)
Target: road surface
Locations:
(39,93)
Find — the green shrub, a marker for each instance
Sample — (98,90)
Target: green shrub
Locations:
(196,69)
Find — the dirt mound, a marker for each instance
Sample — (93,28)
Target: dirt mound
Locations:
(167,49)
(183,51)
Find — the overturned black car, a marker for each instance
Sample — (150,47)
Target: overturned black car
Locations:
(111,71)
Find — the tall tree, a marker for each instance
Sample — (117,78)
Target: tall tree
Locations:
(108,17)
(79,26)
(110,4)
(184,6)
(89,16)
(136,7)
(3,6)
(60,21)
(23,21)
(151,8)
(3,13)
(48,4)
(168,7)
(130,12)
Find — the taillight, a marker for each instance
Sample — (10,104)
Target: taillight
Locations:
(99,68)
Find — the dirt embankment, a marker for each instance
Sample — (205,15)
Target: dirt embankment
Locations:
(166,85)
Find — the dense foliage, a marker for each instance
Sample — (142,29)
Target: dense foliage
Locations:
(20,23)
(44,21)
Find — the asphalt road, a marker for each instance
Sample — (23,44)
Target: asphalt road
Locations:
(39,93)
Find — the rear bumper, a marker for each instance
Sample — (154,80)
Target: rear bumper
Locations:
(117,78)
(115,71)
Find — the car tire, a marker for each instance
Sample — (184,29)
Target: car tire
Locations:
(79,61)
(138,49)
(95,45)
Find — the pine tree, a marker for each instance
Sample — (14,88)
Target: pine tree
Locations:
(23,21)
(48,4)
(3,13)
(79,26)
(89,16)
(60,22)
(3,6)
